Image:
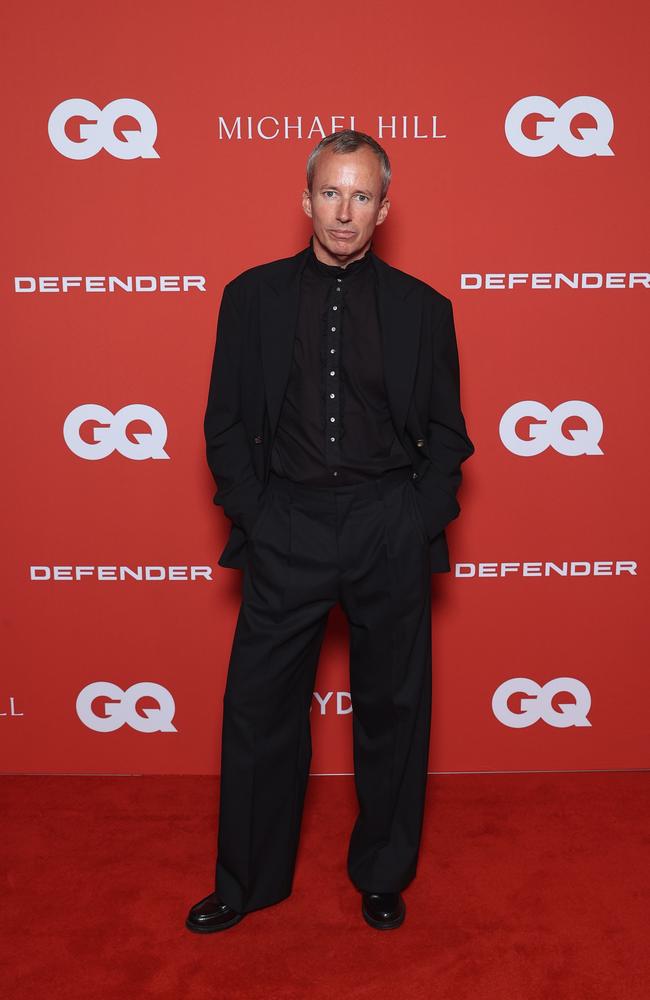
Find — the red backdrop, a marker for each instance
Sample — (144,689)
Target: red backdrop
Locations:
(547,585)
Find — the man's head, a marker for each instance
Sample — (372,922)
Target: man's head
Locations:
(348,174)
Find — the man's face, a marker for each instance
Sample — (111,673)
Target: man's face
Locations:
(344,204)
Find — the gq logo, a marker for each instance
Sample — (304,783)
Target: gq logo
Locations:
(539,703)
(121,708)
(556,129)
(547,430)
(97,130)
(111,436)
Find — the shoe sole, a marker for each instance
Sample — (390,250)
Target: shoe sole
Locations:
(383,925)
(212,930)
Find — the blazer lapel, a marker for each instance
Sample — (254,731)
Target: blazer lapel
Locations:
(400,319)
(399,314)
(279,300)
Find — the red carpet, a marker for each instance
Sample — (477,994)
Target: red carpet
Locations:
(529,886)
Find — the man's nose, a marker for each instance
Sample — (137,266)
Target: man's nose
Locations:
(344,213)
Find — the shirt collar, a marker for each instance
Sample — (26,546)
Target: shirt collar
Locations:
(335,270)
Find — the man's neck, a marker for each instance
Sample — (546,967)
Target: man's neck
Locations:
(342,260)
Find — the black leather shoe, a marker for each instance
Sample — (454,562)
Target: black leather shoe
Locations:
(383,910)
(211,914)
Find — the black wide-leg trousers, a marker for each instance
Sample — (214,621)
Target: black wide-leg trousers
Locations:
(363,545)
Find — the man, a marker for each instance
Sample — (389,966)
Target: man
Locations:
(335,436)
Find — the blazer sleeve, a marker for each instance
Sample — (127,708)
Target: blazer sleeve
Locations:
(448,442)
(226,440)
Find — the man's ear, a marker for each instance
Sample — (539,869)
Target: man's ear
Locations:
(383,211)
(306,202)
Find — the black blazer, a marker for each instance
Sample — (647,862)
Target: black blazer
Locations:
(252,357)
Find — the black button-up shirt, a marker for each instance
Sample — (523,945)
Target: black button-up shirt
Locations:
(335,425)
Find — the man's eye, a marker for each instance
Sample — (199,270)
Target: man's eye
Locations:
(328,192)
(364,196)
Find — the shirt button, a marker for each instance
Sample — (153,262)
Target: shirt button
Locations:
(331,373)
(338,289)
(333,329)
(414,475)
(332,439)
(339,279)
(420,442)
(332,350)
(335,473)
(332,419)
(332,395)
(335,308)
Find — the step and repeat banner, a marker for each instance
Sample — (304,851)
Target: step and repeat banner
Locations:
(152,153)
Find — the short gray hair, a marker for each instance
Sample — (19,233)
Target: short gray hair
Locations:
(347,141)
